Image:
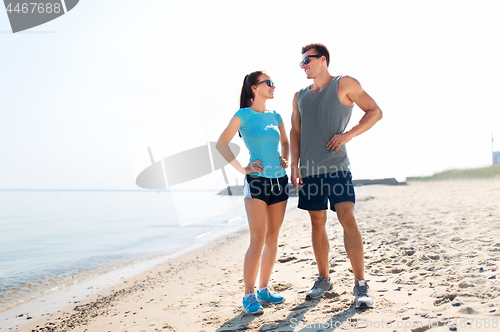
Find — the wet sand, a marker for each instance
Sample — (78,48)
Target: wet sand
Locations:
(431,254)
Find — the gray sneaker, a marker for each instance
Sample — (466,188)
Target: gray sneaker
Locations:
(320,286)
(362,295)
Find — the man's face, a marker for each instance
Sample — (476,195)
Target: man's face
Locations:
(313,66)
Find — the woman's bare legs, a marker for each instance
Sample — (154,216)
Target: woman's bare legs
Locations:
(257,224)
(275,216)
(264,224)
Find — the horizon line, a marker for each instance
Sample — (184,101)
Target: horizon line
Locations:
(141,190)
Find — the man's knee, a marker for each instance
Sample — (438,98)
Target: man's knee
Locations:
(345,210)
(318,218)
(345,213)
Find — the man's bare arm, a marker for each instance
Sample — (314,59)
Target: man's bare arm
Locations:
(352,92)
(296,177)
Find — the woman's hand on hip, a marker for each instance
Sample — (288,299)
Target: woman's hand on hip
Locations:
(255,167)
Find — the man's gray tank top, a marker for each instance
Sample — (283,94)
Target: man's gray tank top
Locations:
(322,116)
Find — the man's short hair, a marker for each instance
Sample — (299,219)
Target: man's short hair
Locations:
(319,49)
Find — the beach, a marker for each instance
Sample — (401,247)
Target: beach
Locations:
(431,255)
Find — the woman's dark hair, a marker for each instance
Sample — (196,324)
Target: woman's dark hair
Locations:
(246,98)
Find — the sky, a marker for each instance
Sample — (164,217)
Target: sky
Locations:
(83,96)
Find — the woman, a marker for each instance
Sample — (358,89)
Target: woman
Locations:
(265,183)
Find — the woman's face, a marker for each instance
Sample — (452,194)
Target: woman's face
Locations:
(263,89)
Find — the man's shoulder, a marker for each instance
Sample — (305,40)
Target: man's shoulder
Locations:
(301,91)
(306,88)
(346,80)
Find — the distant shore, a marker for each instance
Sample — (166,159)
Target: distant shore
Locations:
(488,172)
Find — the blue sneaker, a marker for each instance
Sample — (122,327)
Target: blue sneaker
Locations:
(250,305)
(265,296)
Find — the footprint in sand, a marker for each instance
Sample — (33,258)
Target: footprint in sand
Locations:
(442,299)
(286,259)
(282,286)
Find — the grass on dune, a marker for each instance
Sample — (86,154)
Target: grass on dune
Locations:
(454,174)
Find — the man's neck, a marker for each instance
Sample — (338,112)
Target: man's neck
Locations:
(321,81)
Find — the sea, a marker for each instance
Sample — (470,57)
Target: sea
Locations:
(53,240)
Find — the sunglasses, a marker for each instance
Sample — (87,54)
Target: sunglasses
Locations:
(269,83)
(306,60)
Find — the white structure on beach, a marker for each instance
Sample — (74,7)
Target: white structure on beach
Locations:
(496,157)
(495,154)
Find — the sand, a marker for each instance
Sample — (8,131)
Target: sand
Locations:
(431,254)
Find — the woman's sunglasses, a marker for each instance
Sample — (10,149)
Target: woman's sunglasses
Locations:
(269,83)
(306,60)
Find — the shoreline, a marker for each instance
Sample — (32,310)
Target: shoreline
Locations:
(431,256)
(64,297)
(99,303)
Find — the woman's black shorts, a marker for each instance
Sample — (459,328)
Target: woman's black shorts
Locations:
(269,190)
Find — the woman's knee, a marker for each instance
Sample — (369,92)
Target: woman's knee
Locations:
(257,241)
(272,239)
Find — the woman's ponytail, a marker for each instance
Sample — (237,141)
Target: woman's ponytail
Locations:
(246,98)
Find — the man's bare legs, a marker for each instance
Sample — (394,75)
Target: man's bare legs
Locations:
(320,243)
(353,241)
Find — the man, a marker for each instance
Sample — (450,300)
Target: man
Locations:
(320,115)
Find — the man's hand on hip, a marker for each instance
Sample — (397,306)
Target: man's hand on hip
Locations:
(338,140)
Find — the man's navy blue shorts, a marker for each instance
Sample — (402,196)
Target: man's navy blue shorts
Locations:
(317,190)
(269,190)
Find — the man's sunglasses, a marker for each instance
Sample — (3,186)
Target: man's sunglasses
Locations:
(269,83)
(306,60)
